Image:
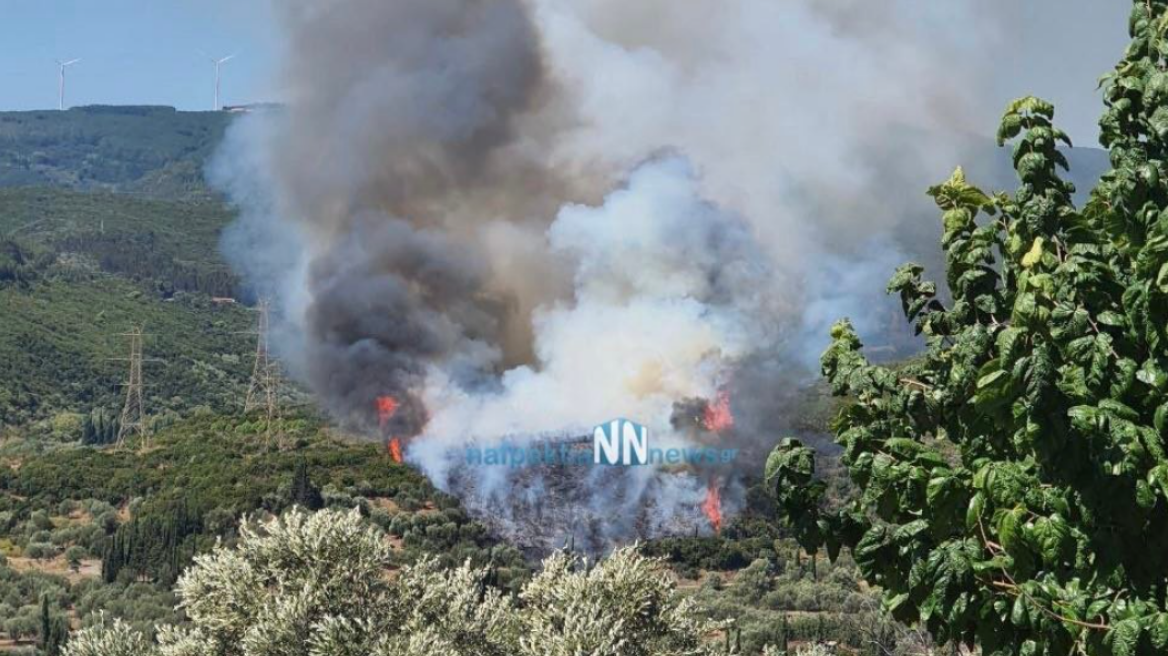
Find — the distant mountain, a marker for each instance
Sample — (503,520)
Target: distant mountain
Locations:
(993,169)
(152,151)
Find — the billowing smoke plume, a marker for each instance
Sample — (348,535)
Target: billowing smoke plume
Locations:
(669,291)
(400,145)
(526,217)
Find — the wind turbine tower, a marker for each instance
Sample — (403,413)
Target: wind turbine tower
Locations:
(61,85)
(218,64)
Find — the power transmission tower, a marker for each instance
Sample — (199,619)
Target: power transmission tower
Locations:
(264,389)
(133,417)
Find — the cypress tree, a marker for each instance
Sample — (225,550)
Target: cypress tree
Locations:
(303,492)
(46,623)
(58,636)
(111,561)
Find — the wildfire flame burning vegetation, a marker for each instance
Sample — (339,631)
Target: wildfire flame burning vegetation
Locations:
(450,212)
(386,409)
(717,417)
(712,506)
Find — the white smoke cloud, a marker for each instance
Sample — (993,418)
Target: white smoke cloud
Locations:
(782,107)
(670,291)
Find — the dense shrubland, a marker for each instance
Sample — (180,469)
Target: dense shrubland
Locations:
(138,519)
(188,486)
(59,341)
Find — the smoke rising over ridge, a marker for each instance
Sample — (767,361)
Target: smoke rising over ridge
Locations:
(529,216)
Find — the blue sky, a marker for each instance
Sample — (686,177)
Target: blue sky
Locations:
(147,52)
(134,51)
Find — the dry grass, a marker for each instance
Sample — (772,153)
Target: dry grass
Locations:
(90,568)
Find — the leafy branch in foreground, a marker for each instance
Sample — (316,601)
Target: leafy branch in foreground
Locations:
(1013,483)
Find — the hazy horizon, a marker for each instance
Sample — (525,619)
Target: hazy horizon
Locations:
(141,53)
(135,52)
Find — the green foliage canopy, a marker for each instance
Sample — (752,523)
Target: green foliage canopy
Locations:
(155,151)
(316,584)
(1013,483)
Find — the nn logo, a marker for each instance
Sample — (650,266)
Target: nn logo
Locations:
(620,442)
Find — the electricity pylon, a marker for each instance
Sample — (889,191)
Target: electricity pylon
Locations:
(133,417)
(264,389)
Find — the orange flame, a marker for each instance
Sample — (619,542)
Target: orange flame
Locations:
(712,506)
(386,409)
(717,416)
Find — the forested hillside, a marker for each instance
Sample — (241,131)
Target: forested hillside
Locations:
(79,269)
(153,151)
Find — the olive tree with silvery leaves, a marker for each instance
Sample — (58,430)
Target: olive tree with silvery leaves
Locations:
(320,584)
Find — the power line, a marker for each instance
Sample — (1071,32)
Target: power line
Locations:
(133,417)
(264,389)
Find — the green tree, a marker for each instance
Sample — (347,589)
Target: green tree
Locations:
(625,605)
(155,544)
(46,623)
(73,556)
(53,629)
(316,584)
(303,493)
(24,624)
(99,427)
(1013,484)
(118,639)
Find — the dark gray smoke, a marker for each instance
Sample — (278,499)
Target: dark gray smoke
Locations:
(404,107)
(387,299)
(400,133)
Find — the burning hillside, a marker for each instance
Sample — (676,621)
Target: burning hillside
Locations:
(546,491)
(469,239)
(386,409)
(544,507)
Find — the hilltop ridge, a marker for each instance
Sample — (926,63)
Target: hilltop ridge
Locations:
(155,151)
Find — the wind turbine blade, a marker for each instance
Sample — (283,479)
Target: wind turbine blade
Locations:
(226,59)
(71,62)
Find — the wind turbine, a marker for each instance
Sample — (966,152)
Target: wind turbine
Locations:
(61,87)
(218,63)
